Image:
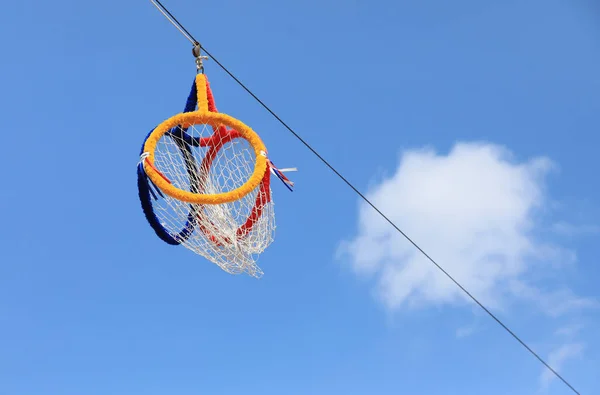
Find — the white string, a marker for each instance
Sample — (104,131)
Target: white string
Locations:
(231,166)
(143,157)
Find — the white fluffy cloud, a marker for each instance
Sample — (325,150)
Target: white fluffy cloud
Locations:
(558,358)
(475,212)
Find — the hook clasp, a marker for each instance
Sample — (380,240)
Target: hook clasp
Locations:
(199,57)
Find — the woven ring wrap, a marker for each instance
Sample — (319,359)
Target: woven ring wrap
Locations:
(144,193)
(145,190)
(203,116)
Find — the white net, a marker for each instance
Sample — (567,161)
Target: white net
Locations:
(231,235)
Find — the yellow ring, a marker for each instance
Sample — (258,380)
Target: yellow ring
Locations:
(214,119)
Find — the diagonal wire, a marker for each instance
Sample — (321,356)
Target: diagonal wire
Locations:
(163,10)
(187,34)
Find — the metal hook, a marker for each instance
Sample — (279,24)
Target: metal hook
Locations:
(199,58)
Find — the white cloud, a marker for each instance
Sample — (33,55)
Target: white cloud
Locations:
(557,359)
(567,229)
(553,303)
(465,331)
(569,330)
(475,211)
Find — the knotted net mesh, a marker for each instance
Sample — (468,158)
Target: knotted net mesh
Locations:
(208,160)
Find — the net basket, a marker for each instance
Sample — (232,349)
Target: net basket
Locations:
(204,181)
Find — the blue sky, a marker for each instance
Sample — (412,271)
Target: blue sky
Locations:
(410,100)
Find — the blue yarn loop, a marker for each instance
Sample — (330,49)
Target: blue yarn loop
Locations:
(148,191)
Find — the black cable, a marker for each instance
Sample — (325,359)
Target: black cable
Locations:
(492,315)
